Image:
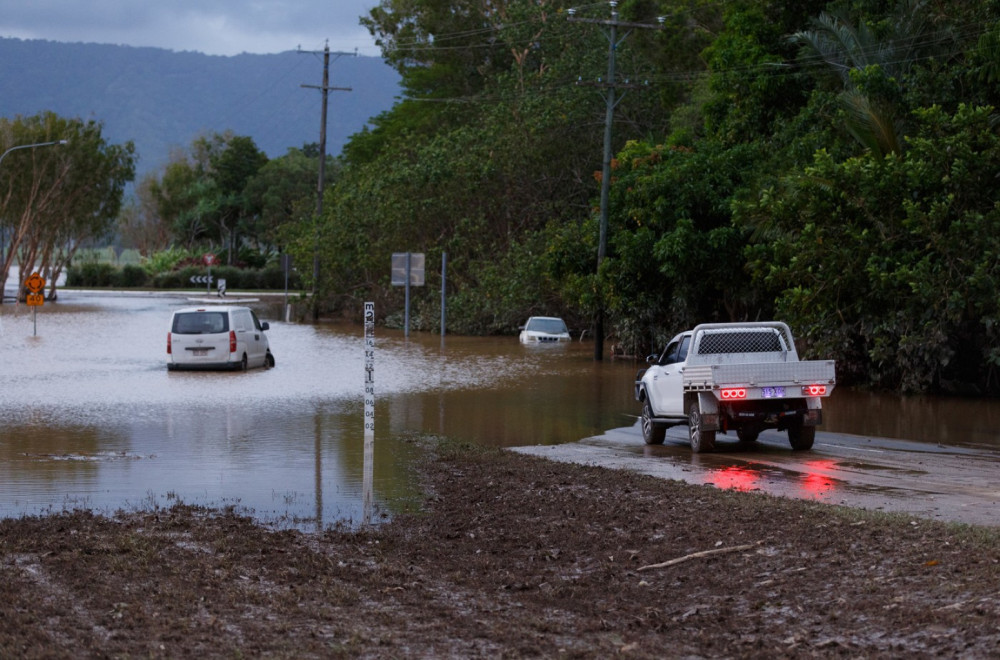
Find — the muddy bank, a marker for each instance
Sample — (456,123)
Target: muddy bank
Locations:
(513,556)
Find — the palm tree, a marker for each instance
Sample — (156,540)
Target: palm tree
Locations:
(873,68)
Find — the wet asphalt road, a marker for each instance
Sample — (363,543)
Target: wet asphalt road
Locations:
(947,483)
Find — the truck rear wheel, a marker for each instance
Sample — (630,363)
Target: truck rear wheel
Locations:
(701,440)
(801,437)
(652,433)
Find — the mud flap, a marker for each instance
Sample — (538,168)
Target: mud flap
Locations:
(709,407)
(814,411)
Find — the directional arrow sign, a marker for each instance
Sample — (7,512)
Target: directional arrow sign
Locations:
(201,279)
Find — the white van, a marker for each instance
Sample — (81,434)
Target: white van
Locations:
(222,337)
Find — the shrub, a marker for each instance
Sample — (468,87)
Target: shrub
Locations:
(132,275)
(91,274)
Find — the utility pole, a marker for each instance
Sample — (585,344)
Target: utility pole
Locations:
(609,117)
(325,89)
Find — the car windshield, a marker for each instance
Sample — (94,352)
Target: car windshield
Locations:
(200,323)
(548,326)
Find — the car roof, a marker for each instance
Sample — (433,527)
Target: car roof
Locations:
(212,308)
(545,318)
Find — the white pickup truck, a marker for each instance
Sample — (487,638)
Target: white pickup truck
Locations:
(745,377)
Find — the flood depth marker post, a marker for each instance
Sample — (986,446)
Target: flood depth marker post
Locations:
(369,460)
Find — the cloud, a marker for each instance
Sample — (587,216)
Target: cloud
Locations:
(215,27)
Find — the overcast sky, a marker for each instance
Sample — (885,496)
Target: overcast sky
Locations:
(215,27)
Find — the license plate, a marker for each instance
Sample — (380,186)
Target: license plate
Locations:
(772,392)
(200,351)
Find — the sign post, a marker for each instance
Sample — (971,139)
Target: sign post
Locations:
(209,260)
(407,270)
(369,455)
(36,285)
(286,265)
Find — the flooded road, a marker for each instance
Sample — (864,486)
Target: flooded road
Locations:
(90,418)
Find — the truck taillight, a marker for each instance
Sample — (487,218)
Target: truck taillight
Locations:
(168,344)
(814,390)
(731,393)
(232,341)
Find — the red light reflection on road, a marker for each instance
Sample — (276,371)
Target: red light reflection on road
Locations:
(734,478)
(816,481)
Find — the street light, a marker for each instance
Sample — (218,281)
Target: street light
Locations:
(31,146)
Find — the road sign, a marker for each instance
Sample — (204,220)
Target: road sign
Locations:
(210,259)
(202,279)
(416,268)
(35,300)
(35,283)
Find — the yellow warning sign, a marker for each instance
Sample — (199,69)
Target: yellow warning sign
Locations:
(35,283)
(36,299)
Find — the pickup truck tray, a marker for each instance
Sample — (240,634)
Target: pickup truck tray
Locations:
(758,374)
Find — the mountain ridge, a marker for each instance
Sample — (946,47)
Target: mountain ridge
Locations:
(163,99)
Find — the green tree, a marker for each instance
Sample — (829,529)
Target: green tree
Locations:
(891,263)
(65,196)
(284,191)
(873,66)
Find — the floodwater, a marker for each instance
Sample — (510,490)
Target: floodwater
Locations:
(90,417)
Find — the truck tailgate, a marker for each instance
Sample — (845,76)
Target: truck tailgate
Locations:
(758,374)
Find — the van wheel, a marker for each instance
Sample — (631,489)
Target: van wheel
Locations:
(243,363)
(269,360)
(701,440)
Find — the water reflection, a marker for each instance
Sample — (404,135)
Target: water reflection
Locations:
(89,415)
(813,482)
(940,420)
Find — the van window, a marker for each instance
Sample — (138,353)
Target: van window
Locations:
(200,323)
(242,320)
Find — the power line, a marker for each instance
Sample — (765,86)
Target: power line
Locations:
(611,85)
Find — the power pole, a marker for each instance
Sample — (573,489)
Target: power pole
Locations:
(325,89)
(609,117)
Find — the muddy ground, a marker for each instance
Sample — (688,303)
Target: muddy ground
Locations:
(513,556)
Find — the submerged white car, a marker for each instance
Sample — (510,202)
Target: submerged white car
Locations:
(544,329)
(223,337)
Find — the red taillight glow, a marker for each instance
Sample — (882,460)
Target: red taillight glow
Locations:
(232,341)
(730,393)
(168,344)
(814,390)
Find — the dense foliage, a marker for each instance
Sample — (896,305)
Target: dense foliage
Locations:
(830,164)
(825,163)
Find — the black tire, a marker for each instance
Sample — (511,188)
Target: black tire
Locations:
(269,360)
(801,437)
(242,366)
(748,433)
(701,440)
(652,433)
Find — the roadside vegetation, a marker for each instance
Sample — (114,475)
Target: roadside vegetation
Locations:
(831,164)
